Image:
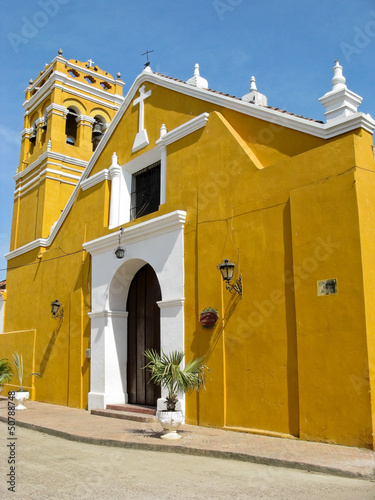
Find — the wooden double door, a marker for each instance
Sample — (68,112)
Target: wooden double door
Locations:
(143,333)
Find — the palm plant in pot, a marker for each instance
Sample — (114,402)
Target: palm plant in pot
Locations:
(166,371)
(6,373)
(21,395)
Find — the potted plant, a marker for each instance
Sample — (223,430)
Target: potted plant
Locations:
(21,395)
(166,371)
(6,373)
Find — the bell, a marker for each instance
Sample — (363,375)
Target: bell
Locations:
(32,137)
(97,130)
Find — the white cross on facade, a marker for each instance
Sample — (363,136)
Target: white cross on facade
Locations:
(91,63)
(141,139)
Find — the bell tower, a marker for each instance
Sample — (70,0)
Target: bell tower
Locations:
(68,108)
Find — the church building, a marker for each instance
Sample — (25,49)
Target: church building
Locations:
(179,217)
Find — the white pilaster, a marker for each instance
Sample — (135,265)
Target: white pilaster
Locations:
(119,212)
(109,356)
(163,166)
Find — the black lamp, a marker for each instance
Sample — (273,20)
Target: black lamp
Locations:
(120,251)
(227,271)
(56,311)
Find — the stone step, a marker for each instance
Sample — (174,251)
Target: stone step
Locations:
(148,410)
(125,415)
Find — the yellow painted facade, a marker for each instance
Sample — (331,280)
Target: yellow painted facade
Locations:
(288,200)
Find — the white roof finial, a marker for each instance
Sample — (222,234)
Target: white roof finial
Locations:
(339,102)
(197,80)
(254,97)
(253,85)
(338,80)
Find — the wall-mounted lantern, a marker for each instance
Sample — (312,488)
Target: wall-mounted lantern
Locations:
(120,251)
(227,271)
(57,310)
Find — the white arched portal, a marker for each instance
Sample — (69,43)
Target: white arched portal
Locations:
(160,243)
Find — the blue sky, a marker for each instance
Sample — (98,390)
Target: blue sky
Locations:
(289,46)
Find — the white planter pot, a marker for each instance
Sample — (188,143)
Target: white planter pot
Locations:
(170,421)
(20,397)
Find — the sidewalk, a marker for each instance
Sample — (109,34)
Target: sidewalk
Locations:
(80,425)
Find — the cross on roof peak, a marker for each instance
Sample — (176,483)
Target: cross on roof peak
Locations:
(147,63)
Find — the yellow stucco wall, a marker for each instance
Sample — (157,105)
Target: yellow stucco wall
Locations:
(289,209)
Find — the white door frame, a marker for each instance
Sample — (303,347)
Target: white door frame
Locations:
(160,243)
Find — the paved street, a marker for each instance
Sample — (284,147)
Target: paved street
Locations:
(53,468)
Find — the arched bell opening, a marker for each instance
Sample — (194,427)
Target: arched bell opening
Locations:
(98,130)
(71,125)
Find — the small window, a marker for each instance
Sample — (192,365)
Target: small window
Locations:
(145,196)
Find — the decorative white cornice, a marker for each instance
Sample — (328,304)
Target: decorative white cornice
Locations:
(101,176)
(139,232)
(57,107)
(348,124)
(85,118)
(165,304)
(40,242)
(144,160)
(61,81)
(71,65)
(39,121)
(54,156)
(26,131)
(44,174)
(183,130)
(107,314)
(65,167)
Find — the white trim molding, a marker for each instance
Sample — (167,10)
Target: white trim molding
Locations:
(101,176)
(183,130)
(111,279)
(59,80)
(55,156)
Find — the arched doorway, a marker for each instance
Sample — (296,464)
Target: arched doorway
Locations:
(143,333)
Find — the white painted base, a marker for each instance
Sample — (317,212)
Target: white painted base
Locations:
(170,435)
(170,421)
(141,140)
(99,401)
(20,397)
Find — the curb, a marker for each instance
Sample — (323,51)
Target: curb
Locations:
(229,455)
